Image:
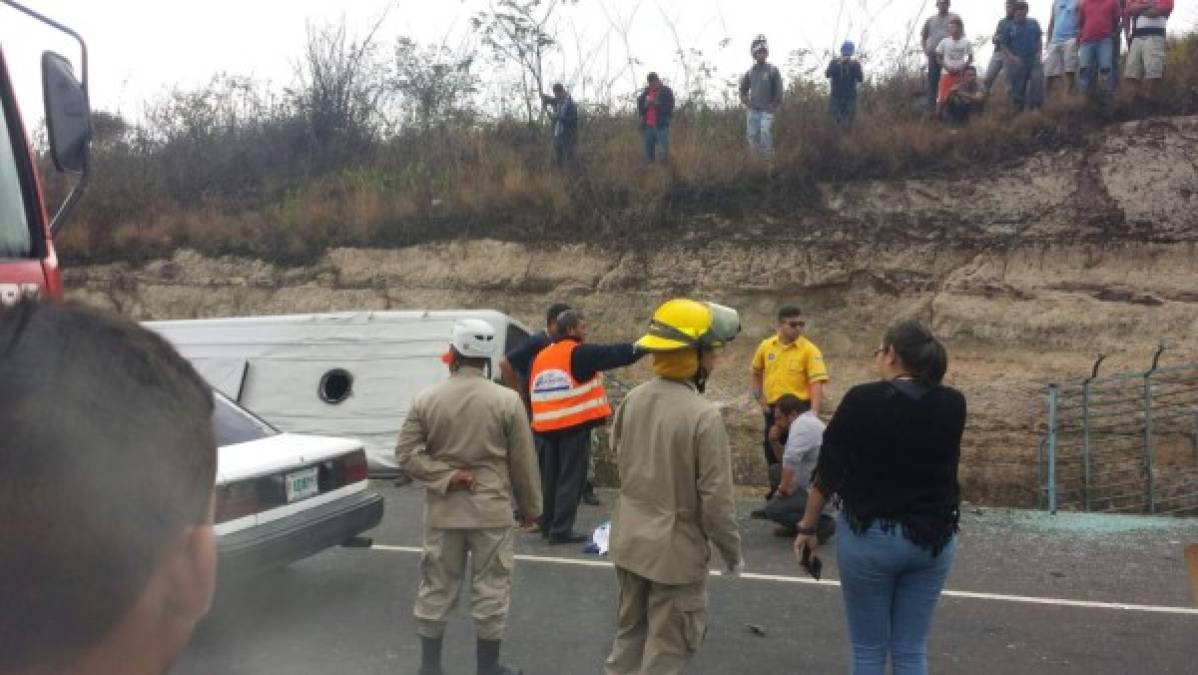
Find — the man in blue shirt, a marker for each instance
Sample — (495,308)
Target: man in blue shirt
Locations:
(1061,59)
(1022,44)
(996,59)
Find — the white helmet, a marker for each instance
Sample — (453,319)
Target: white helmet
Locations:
(473,338)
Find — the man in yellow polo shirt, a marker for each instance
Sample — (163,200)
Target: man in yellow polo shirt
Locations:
(786,363)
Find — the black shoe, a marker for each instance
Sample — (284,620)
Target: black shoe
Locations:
(572,538)
(430,656)
(759,514)
(488,660)
(824,529)
(588,496)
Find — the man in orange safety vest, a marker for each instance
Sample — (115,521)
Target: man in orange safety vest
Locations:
(568,400)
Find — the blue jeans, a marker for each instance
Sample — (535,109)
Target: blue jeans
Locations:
(933,80)
(890,588)
(843,110)
(656,138)
(759,126)
(1026,80)
(1096,57)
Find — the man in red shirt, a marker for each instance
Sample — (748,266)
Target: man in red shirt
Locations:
(1098,22)
(656,107)
(1144,27)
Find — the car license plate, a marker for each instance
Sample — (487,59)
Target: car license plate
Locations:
(302,484)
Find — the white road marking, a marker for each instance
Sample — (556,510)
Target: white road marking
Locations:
(972,595)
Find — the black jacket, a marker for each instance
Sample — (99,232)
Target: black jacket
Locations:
(665,106)
(890,454)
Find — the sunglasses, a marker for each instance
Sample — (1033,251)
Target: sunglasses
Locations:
(795,324)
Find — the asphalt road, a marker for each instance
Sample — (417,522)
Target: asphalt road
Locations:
(1029,593)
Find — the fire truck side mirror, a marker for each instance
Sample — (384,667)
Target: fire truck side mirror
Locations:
(68,118)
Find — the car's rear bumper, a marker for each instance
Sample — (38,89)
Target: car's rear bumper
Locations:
(298,536)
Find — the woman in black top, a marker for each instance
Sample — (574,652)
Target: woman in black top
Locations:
(889,462)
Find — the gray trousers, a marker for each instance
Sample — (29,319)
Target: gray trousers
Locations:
(997,60)
(787,510)
(563,457)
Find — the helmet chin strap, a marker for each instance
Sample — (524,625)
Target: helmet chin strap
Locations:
(701,373)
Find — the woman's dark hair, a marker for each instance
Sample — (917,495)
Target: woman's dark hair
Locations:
(920,351)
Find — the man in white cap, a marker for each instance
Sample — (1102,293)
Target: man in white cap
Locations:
(761,92)
(675,493)
(467,442)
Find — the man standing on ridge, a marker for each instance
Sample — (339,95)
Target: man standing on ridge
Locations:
(786,363)
(563,113)
(1061,58)
(1022,45)
(1098,23)
(1144,26)
(844,74)
(935,29)
(568,401)
(997,59)
(655,104)
(676,494)
(467,442)
(761,91)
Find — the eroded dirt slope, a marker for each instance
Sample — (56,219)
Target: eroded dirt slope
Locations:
(1027,270)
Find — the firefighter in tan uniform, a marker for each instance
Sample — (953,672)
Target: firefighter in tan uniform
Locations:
(468,443)
(675,494)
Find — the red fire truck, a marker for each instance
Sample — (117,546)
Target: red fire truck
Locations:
(28,263)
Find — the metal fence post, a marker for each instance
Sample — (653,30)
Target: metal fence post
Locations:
(1149,482)
(1086,432)
(1150,491)
(1052,449)
(1086,445)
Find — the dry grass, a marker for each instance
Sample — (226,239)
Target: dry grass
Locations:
(276,197)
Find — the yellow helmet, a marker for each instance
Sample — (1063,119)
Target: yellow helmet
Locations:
(689,324)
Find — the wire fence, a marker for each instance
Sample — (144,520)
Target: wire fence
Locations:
(1124,443)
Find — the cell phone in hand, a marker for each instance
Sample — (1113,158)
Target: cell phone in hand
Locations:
(811,563)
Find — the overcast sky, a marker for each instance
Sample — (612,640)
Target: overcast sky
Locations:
(140,48)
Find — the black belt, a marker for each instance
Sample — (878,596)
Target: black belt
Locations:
(1146,32)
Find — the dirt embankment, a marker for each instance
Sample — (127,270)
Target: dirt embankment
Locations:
(1027,270)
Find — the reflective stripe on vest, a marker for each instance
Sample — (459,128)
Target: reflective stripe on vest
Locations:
(558,400)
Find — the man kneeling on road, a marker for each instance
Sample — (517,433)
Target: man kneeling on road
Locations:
(468,443)
(675,493)
(107,462)
(806,434)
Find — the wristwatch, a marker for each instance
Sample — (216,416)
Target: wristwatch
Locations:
(809,531)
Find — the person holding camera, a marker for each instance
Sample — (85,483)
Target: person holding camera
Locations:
(889,460)
(564,116)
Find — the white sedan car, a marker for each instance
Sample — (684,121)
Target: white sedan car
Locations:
(281,497)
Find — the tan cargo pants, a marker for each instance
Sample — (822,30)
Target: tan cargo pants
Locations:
(659,627)
(442,567)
